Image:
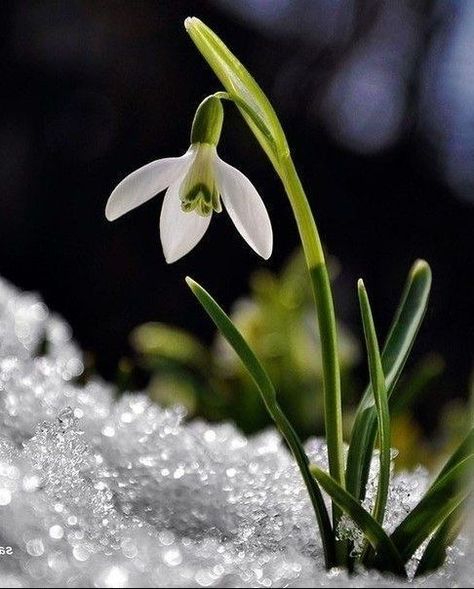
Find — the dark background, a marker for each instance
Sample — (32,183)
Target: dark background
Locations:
(93,90)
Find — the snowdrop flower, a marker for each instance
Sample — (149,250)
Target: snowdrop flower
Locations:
(196,182)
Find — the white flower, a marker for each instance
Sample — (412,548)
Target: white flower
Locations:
(195,184)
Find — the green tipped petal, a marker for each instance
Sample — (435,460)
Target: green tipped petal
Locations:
(198,191)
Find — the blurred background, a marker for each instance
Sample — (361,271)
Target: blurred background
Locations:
(377,98)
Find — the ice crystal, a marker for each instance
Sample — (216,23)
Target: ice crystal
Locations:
(96,492)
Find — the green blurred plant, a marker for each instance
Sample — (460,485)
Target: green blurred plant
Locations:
(276,319)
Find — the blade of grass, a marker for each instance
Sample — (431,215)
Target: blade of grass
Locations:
(435,553)
(377,381)
(399,342)
(388,556)
(268,393)
(443,497)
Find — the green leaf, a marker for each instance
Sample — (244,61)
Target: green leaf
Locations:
(464,450)
(175,388)
(377,381)
(267,391)
(435,553)
(236,340)
(399,342)
(158,341)
(444,497)
(388,555)
(241,88)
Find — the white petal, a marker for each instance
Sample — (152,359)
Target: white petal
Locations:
(245,207)
(144,183)
(179,231)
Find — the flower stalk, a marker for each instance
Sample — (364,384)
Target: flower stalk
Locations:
(317,267)
(326,317)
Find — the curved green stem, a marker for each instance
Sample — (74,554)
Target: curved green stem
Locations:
(307,228)
(326,317)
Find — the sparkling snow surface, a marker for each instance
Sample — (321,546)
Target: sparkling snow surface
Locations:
(96,492)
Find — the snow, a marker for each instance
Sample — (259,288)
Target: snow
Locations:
(99,492)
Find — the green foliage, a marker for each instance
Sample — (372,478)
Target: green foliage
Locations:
(435,553)
(443,498)
(269,397)
(377,383)
(158,343)
(399,342)
(383,546)
(438,509)
(275,320)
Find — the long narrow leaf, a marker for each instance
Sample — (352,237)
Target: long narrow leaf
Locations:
(435,553)
(388,556)
(443,497)
(464,450)
(399,342)
(377,381)
(267,391)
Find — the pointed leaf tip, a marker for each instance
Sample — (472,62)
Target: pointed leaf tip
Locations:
(399,342)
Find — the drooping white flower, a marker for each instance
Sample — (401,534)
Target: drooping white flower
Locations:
(195,182)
